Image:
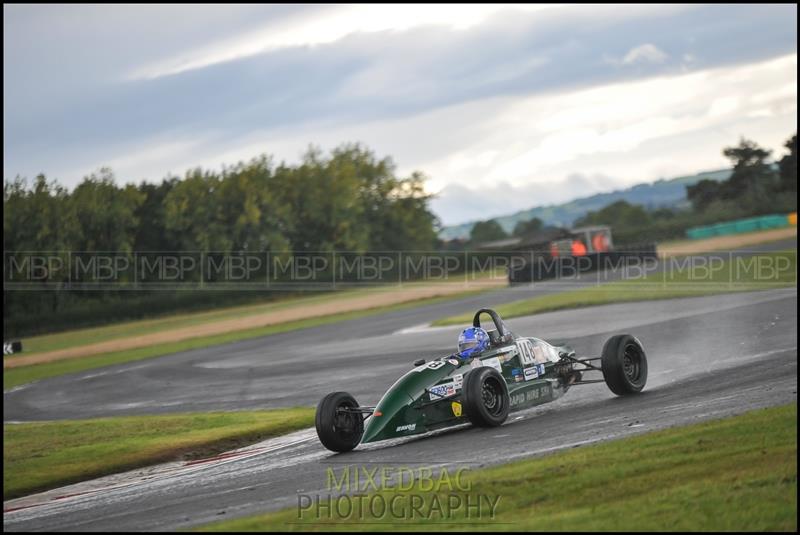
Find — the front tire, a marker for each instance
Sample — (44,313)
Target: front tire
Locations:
(338,430)
(624,365)
(486,401)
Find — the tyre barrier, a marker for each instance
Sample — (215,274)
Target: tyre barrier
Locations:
(740,226)
(9,348)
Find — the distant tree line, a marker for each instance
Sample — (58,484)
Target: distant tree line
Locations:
(490,230)
(348,201)
(755,187)
(754,184)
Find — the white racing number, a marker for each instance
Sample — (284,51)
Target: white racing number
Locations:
(525,349)
(434,365)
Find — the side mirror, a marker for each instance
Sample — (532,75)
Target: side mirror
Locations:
(419,362)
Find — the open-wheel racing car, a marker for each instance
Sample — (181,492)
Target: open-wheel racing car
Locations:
(482,384)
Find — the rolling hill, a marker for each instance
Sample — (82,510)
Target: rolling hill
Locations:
(662,193)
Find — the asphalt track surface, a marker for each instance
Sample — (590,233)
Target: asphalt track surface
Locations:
(709,357)
(360,356)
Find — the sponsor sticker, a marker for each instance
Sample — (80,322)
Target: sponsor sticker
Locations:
(517,378)
(456,406)
(531,373)
(444,390)
(407,427)
(454,362)
(540,369)
(535,394)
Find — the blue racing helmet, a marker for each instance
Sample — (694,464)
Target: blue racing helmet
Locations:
(472,340)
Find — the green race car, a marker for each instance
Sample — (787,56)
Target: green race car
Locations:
(496,373)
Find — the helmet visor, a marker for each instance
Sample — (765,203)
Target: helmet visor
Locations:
(469,344)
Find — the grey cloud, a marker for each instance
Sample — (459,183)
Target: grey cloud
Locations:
(403,73)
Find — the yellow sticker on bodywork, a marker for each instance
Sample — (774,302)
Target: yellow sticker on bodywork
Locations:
(456,408)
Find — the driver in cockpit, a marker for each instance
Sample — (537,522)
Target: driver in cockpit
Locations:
(472,341)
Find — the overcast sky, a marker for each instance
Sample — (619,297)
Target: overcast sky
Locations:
(503,107)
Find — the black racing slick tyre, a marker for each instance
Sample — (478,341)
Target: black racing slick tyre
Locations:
(486,401)
(624,365)
(338,429)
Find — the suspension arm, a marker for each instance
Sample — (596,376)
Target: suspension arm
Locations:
(585,362)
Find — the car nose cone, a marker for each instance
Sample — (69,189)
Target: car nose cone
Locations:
(390,418)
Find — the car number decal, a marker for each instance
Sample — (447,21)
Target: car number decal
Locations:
(433,365)
(525,349)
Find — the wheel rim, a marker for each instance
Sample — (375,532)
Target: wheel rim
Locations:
(345,423)
(492,396)
(632,363)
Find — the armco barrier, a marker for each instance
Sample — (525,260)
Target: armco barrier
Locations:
(740,226)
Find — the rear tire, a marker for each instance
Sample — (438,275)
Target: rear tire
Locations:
(486,401)
(338,431)
(624,365)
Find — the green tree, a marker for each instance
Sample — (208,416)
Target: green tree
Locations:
(353,201)
(377,186)
(324,196)
(788,167)
(620,215)
(191,213)
(38,219)
(250,208)
(406,223)
(752,175)
(106,213)
(703,193)
(152,233)
(531,226)
(487,231)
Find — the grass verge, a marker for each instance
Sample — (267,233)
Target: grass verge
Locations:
(46,455)
(80,337)
(725,243)
(13,377)
(735,474)
(680,279)
(344,297)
